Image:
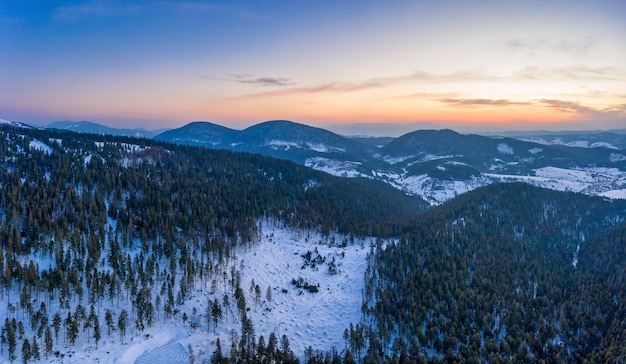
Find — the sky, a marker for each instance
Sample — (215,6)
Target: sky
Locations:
(517,65)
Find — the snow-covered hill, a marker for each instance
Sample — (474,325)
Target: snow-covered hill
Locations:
(95,128)
(438,165)
(335,265)
(13,123)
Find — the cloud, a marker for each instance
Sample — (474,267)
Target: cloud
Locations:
(482,102)
(611,111)
(577,72)
(578,46)
(567,106)
(571,107)
(380,82)
(262,81)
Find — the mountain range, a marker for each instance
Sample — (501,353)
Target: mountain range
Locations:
(95,128)
(436,165)
(142,251)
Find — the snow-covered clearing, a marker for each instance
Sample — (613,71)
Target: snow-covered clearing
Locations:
(317,147)
(281,256)
(41,146)
(437,191)
(504,148)
(575,143)
(334,167)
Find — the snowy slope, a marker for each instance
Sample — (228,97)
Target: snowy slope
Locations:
(316,319)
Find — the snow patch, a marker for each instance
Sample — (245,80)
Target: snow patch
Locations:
(41,146)
(614,194)
(316,147)
(334,167)
(504,148)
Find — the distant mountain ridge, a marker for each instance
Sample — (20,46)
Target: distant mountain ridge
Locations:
(436,165)
(16,124)
(200,133)
(280,139)
(95,128)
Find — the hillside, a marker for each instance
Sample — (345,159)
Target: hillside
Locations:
(199,133)
(92,223)
(508,273)
(95,128)
(436,165)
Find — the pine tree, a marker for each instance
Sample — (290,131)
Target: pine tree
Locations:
(11,339)
(72,329)
(34,349)
(48,341)
(108,317)
(26,351)
(56,323)
(268,294)
(217,357)
(96,331)
(209,314)
(122,323)
(216,313)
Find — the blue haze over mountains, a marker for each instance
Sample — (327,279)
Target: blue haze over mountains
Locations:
(422,162)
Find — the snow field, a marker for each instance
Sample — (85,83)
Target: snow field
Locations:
(315,319)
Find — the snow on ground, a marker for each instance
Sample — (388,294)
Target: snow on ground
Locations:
(334,167)
(607,182)
(39,145)
(394,160)
(565,174)
(505,148)
(322,148)
(575,143)
(592,181)
(132,148)
(437,191)
(614,194)
(280,144)
(317,147)
(158,345)
(316,319)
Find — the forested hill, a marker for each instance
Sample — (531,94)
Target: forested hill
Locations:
(506,273)
(54,181)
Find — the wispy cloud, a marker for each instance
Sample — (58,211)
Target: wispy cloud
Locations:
(481,102)
(577,46)
(373,83)
(566,106)
(262,81)
(577,72)
(578,108)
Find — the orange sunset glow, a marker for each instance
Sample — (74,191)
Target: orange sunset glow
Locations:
(517,64)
